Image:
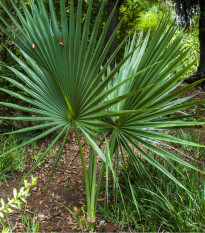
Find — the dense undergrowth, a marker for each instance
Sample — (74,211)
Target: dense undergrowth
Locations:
(152,202)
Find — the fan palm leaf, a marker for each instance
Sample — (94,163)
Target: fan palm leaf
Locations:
(145,131)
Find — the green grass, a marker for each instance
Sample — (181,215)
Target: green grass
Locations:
(12,162)
(191,136)
(28,222)
(158,204)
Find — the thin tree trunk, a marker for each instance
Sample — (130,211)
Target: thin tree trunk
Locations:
(201,68)
(113,25)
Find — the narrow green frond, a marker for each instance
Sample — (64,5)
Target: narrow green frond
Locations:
(58,157)
(93,144)
(161,136)
(34,139)
(164,154)
(45,152)
(27,129)
(156,164)
(105,114)
(163,124)
(30,118)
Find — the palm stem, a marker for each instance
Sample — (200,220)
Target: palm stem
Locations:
(87,189)
(93,186)
(102,171)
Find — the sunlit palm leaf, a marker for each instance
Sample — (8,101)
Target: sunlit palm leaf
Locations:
(145,130)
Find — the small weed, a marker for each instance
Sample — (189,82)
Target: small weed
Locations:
(29,222)
(82,222)
(80,217)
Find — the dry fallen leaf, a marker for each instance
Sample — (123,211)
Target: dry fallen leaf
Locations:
(60,42)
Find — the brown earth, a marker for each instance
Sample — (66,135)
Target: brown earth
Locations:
(66,187)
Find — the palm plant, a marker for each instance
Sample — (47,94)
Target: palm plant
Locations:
(70,88)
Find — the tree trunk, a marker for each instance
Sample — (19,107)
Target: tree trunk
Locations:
(186,17)
(113,25)
(201,68)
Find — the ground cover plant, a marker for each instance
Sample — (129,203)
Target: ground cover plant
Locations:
(126,109)
(157,204)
